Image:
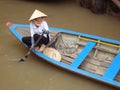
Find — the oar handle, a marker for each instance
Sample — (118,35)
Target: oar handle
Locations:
(28,53)
(40,37)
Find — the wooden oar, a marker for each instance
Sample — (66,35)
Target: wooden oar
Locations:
(28,53)
(9,24)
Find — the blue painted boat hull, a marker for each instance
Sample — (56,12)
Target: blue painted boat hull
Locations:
(110,73)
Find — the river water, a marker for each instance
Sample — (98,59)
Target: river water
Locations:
(36,74)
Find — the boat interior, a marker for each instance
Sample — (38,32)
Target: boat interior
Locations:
(99,57)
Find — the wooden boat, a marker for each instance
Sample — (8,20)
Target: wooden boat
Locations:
(92,56)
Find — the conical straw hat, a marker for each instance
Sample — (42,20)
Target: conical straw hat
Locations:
(37,14)
(52,53)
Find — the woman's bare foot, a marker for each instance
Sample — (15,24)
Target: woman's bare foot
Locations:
(42,47)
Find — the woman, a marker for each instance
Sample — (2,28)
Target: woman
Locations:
(37,26)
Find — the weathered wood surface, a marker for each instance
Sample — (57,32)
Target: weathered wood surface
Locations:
(117,78)
(96,62)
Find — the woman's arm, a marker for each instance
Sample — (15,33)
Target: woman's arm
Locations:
(45,25)
(32,33)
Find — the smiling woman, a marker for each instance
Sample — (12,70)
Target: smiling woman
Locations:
(37,26)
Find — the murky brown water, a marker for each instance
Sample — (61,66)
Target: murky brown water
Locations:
(36,74)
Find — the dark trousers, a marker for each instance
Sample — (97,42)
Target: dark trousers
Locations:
(27,40)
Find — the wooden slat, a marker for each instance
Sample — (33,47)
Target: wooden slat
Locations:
(117,78)
(96,69)
(67,58)
(83,54)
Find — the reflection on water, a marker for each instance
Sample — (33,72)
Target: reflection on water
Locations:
(35,74)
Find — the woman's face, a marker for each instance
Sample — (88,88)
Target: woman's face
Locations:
(37,21)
